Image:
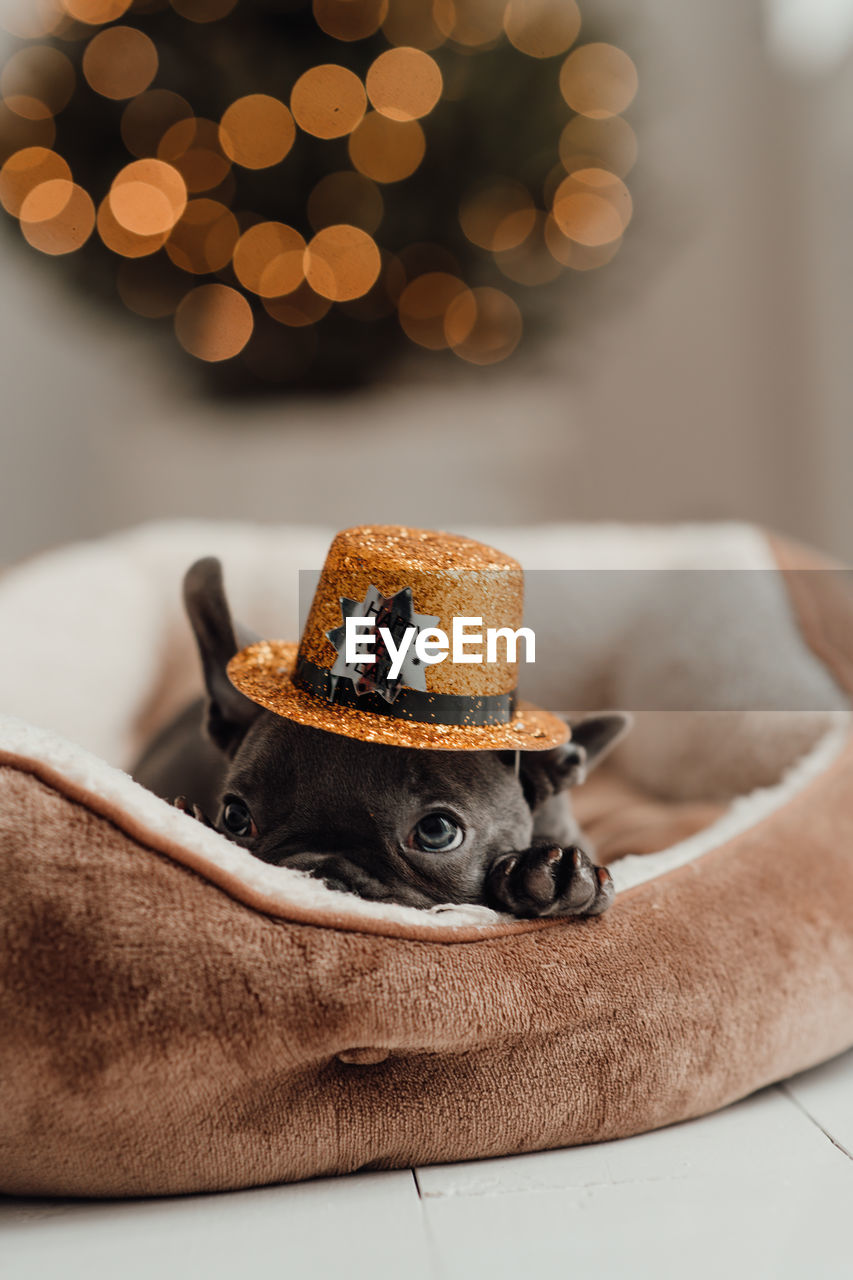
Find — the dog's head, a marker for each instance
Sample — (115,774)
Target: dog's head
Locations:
(416,827)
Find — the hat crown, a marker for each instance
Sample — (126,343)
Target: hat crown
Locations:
(404,578)
(449,577)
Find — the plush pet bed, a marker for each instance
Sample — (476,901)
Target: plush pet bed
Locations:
(180,1017)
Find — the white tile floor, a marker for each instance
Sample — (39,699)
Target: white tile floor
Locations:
(762,1189)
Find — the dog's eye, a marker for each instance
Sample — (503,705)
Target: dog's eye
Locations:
(437,833)
(237,820)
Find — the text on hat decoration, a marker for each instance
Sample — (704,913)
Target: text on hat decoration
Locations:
(384,644)
(432,644)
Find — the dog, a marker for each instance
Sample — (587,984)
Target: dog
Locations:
(416,827)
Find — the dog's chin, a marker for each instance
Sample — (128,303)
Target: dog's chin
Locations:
(334,870)
(344,876)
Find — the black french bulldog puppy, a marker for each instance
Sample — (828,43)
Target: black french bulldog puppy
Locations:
(392,824)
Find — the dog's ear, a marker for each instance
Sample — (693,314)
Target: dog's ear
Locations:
(597,735)
(229,712)
(544,773)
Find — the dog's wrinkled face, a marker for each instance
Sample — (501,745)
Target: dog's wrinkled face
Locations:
(415,827)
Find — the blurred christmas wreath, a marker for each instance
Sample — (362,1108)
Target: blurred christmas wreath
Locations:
(296,186)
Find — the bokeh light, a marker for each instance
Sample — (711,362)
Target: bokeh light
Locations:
(349,19)
(127,244)
(95,12)
(483,326)
(328,101)
(404,84)
(192,146)
(147,197)
(355,172)
(204,238)
(268,259)
(472,22)
(141,208)
(120,62)
(387,150)
(24,171)
(598,80)
(542,28)
(37,82)
(598,144)
(530,262)
(257,131)
(203,11)
(342,262)
(592,206)
(423,306)
(57,217)
(47,200)
(299,309)
(412,23)
(213,322)
(579,257)
(498,217)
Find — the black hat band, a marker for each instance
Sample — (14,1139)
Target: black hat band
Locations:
(409,704)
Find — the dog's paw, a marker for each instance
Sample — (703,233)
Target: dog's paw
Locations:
(549,881)
(192,811)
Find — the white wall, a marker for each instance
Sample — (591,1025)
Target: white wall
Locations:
(693,387)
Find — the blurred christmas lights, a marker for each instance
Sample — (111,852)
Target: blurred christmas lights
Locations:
(178,201)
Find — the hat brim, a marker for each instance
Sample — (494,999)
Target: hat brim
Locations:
(264,673)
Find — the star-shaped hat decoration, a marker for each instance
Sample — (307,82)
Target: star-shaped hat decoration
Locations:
(397,614)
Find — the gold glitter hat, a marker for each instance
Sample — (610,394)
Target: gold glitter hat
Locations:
(402,578)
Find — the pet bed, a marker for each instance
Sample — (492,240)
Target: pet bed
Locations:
(179,1017)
